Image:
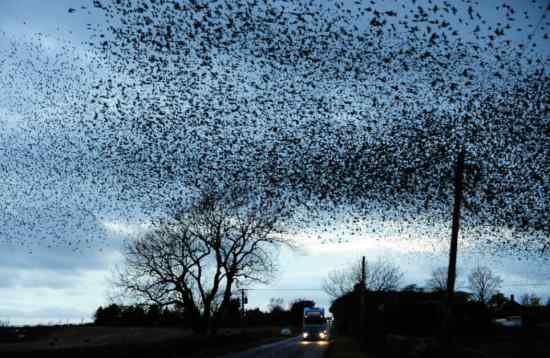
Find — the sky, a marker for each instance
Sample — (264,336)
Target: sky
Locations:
(41,282)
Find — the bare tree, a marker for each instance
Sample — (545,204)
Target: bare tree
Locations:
(530,300)
(484,283)
(341,281)
(438,279)
(275,304)
(381,275)
(195,257)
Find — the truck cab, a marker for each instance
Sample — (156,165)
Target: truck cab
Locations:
(314,325)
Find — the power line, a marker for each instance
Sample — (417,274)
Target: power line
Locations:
(526,284)
(321,290)
(519,285)
(535,284)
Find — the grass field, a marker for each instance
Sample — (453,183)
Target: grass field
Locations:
(88,340)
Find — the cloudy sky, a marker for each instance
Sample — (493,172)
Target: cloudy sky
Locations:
(59,271)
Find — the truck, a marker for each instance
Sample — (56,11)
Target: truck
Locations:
(314,325)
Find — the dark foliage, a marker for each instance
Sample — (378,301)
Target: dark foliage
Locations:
(138,315)
(231,316)
(402,312)
(154,315)
(297,311)
(414,323)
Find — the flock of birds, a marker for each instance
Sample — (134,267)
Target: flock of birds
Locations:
(323,107)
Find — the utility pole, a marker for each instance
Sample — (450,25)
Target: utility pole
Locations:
(451,275)
(362,308)
(459,184)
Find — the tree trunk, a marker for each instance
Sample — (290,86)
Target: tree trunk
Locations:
(222,311)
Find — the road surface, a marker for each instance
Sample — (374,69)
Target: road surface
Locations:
(288,348)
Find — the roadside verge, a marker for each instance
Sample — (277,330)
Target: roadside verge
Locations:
(344,347)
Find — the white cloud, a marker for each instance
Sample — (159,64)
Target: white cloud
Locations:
(73,299)
(124,228)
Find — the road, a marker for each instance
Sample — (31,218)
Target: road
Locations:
(288,348)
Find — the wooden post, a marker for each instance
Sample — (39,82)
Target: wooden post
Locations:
(451,275)
(362,308)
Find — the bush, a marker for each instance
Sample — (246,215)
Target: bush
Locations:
(472,318)
(410,313)
(137,315)
(414,318)
(110,315)
(405,312)
(134,316)
(534,315)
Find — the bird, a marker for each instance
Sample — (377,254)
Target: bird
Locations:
(355,107)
